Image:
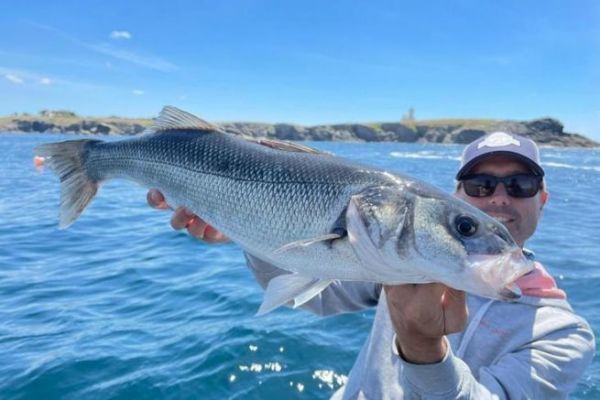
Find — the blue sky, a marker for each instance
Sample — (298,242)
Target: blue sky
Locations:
(306,62)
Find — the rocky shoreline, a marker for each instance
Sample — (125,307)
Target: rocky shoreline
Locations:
(545,131)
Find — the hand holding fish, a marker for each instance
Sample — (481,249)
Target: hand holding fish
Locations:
(184,219)
(422,315)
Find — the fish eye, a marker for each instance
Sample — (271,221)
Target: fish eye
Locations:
(465,225)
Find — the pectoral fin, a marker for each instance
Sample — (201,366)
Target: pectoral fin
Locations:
(308,242)
(290,287)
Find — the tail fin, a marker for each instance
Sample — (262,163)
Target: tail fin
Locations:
(77,189)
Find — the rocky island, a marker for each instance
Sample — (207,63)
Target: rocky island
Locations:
(545,131)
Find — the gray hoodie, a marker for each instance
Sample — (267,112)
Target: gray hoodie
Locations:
(536,348)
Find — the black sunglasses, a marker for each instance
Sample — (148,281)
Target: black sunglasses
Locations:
(521,185)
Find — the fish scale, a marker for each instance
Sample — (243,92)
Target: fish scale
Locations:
(277,195)
(315,215)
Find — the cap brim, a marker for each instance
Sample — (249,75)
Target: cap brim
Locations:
(535,168)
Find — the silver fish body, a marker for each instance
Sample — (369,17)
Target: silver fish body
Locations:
(318,216)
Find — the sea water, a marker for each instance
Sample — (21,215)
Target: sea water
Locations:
(120,306)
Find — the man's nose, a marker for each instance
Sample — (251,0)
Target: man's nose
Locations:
(500,197)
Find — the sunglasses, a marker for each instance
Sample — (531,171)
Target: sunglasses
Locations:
(520,186)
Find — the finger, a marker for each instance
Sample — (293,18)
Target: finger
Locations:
(182,218)
(433,292)
(156,200)
(214,236)
(196,227)
(399,294)
(201,230)
(455,309)
(454,296)
(392,288)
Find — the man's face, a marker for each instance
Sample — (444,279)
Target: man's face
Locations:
(519,215)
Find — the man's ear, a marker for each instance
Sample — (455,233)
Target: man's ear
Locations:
(543,198)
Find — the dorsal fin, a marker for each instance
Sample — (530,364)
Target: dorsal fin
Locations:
(173,118)
(285,145)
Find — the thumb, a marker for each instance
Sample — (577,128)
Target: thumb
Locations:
(453,296)
(456,312)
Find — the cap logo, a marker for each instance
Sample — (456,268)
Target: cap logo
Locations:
(498,139)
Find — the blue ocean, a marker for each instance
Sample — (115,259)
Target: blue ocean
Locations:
(120,306)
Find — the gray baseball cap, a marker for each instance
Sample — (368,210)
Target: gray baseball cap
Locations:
(501,143)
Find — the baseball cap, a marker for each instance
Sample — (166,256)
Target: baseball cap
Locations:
(501,143)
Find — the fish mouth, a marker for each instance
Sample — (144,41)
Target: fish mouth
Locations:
(495,276)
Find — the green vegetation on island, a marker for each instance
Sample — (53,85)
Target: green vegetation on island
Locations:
(546,131)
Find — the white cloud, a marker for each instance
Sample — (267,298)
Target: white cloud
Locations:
(21,76)
(144,60)
(27,76)
(120,35)
(137,92)
(14,79)
(147,61)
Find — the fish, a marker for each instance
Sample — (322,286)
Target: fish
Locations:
(320,217)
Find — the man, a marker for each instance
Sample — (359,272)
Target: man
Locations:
(431,341)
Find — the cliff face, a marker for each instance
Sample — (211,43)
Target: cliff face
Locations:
(546,131)
(91,126)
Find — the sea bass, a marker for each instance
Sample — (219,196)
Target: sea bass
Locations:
(318,216)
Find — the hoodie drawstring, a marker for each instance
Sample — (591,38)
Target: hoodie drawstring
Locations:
(470,331)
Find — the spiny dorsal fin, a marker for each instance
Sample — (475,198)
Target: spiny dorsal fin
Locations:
(171,118)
